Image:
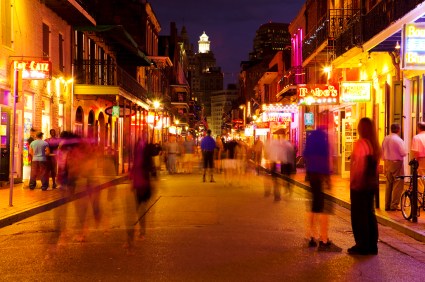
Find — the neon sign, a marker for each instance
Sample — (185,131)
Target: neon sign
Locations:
(34,69)
(317,94)
(278,117)
(413,46)
(355,91)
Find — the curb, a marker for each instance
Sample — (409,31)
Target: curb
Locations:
(55,203)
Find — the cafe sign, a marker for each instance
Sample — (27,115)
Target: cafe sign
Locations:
(34,69)
(413,44)
(317,94)
(355,91)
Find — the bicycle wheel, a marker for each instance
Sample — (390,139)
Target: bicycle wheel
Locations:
(406,205)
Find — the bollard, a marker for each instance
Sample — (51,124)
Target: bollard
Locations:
(414,165)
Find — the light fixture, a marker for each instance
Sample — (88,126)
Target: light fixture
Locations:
(397,46)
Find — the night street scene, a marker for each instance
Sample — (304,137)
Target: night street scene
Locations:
(192,140)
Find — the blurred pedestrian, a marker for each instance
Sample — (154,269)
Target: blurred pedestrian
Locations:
(218,152)
(418,152)
(141,192)
(317,159)
(30,139)
(207,148)
(230,161)
(287,162)
(364,182)
(189,154)
(258,153)
(172,152)
(53,142)
(39,149)
(393,153)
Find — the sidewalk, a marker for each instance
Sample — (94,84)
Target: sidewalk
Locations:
(340,194)
(27,203)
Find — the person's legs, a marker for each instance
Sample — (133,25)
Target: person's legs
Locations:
(33,174)
(44,175)
(388,184)
(398,185)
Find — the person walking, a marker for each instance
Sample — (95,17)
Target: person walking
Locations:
(39,149)
(364,182)
(258,153)
(317,158)
(52,166)
(189,153)
(207,148)
(418,152)
(393,153)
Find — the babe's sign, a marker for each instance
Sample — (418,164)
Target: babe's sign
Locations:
(34,69)
(317,94)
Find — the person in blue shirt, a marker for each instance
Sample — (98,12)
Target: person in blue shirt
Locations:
(317,159)
(207,148)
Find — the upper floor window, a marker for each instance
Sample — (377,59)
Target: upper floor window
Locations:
(6,23)
(46,41)
(61,53)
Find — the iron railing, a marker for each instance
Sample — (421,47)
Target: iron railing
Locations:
(315,38)
(106,73)
(295,75)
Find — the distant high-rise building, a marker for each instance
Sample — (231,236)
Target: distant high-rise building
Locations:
(205,76)
(204,43)
(269,39)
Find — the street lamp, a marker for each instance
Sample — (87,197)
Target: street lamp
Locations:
(156,105)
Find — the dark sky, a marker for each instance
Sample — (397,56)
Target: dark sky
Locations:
(230,24)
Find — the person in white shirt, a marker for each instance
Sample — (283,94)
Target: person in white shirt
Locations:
(418,152)
(394,151)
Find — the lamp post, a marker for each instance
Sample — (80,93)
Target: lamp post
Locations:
(156,105)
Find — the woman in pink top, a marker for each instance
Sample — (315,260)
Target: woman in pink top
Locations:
(364,166)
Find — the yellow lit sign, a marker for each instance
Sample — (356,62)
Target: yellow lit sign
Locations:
(355,91)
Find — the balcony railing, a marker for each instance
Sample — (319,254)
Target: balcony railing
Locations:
(341,20)
(376,20)
(385,13)
(315,38)
(296,75)
(109,74)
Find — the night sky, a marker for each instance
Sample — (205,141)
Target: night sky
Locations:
(230,24)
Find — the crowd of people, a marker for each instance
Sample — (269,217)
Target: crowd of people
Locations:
(60,158)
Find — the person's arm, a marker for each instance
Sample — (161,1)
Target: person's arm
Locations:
(47,150)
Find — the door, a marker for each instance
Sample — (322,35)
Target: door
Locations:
(4,144)
(349,136)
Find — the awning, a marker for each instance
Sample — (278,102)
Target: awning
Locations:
(121,42)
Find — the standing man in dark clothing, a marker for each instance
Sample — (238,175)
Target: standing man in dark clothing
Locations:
(207,147)
(52,165)
(39,149)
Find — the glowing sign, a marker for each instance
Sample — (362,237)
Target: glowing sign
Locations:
(355,91)
(308,118)
(34,69)
(413,46)
(278,117)
(317,94)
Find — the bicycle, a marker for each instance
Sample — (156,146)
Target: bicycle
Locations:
(406,198)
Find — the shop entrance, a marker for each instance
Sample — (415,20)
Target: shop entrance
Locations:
(349,136)
(4,144)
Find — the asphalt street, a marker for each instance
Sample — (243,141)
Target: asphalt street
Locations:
(195,232)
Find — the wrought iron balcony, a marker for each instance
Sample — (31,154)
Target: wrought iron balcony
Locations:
(100,73)
(376,20)
(314,39)
(384,14)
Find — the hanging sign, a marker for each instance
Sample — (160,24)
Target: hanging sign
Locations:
(34,69)
(355,91)
(308,119)
(413,46)
(317,94)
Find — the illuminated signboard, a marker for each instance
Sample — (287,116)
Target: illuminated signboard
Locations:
(34,69)
(278,117)
(413,46)
(317,94)
(355,91)
(308,118)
